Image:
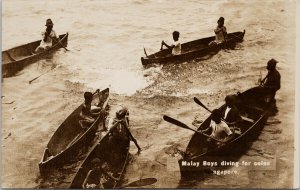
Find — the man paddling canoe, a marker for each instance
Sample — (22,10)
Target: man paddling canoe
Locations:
(272,80)
(176,45)
(48,35)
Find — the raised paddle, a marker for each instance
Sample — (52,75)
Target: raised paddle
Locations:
(182,125)
(145,52)
(202,105)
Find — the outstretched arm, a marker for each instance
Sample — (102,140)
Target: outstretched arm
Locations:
(109,175)
(164,44)
(86,179)
(229,133)
(205,130)
(131,137)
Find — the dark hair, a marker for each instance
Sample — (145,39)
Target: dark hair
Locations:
(271,64)
(176,34)
(221,20)
(230,99)
(216,115)
(88,96)
(122,113)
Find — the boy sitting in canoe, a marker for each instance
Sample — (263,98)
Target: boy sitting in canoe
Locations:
(88,112)
(98,176)
(220,31)
(230,113)
(48,35)
(176,45)
(219,129)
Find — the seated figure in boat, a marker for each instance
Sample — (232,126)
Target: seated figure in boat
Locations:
(220,31)
(49,36)
(118,125)
(272,81)
(230,112)
(88,112)
(98,176)
(118,128)
(176,45)
(219,129)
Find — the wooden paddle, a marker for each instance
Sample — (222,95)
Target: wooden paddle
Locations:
(59,41)
(182,125)
(139,183)
(145,52)
(40,75)
(202,105)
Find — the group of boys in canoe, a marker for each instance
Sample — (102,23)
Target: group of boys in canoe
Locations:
(224,122)
(222,125)
(220,31)
(118,132)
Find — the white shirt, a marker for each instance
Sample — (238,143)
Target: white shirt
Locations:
(48,42)
(218,129)
(226,112)
(177,48)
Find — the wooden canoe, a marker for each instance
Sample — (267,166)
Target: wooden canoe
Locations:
(15,59)
(116,154)
(193,49)
(254,109)
(70,138)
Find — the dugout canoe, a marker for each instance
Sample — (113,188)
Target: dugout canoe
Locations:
(70,137)
(113,152)
(193,49)
(254,106)
(15,59)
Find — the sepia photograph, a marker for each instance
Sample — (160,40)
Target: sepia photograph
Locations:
(181,94)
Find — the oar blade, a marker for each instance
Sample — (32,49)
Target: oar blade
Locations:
(141,182)
(182,125)
(175,122)
(200,104)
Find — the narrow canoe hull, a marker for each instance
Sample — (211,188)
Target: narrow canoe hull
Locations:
(254,106)
(15,59)
(69,139)
(117,155)
(194,49)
